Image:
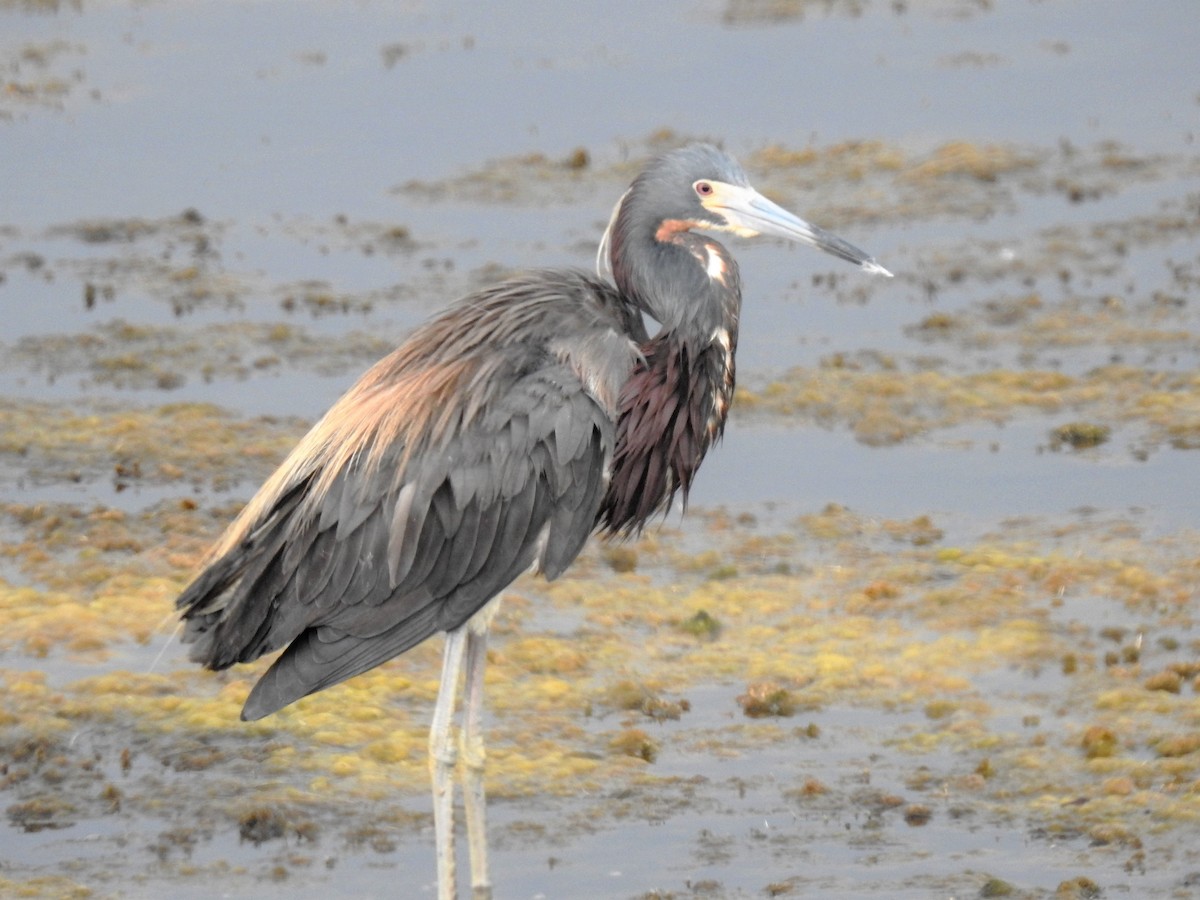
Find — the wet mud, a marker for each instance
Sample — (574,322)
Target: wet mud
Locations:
(801,696)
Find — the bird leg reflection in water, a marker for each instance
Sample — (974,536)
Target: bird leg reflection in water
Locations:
(497,438)
(469,642)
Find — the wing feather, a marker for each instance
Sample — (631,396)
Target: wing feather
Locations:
(402,544)
(489,523)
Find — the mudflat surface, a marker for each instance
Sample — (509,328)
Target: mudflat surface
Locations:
(929,626)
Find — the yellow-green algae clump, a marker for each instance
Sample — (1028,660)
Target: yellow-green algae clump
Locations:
(893,405)
(194,443)
(908,625)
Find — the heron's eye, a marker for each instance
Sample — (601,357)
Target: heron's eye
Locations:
(703,188)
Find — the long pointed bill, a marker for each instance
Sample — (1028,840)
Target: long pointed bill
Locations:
(749,212)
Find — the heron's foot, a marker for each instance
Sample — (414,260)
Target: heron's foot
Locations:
(481,892)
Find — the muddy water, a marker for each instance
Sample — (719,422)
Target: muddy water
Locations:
(929,629)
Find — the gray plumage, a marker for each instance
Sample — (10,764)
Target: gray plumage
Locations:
(351,555)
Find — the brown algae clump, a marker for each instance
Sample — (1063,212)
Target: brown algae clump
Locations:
(620,558)
(701,625)
(1079,435)
(177,442)
(893,405)
(633,697)
(635,743)
(1098,742)
(960,158)
(767,699)
(996,887)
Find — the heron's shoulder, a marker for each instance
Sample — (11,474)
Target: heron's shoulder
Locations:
(563,316)
(548,300)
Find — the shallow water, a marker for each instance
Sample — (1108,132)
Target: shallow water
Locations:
(244,204)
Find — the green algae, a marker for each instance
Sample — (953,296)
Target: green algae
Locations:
(46,886)
(767,699)
(889,407)
(862,181)
(1079,435)
(702,625)
(185,443)
(32,76)
(956,614)
(117,354)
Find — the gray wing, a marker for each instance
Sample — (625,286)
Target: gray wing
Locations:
(388,566)
(407,541)
(479,448)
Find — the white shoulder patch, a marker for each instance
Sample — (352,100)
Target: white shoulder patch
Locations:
(715,266)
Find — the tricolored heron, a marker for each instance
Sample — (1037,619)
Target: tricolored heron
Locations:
(497,438)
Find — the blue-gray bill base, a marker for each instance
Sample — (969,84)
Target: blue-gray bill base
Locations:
(496,439)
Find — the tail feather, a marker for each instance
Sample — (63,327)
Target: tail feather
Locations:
(223,608)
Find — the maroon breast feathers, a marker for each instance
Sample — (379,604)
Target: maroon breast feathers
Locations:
(672,409)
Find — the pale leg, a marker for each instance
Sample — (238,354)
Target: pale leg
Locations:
(474,756)
(442,756)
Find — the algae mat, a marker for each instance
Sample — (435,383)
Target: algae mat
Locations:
(928,628)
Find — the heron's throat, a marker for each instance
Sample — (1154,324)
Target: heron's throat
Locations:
(694,286)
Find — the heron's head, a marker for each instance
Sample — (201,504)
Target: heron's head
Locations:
(700,186)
